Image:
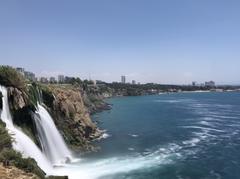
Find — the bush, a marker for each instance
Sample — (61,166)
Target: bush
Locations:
(10,77)
(33,94)
(5,138)
(47,96)
(14,158)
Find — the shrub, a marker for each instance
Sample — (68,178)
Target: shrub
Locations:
(14,158)
(33,94)
(6,140)
(47,96)
(10,77)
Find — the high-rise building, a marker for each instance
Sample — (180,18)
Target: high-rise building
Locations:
(133,82)
(61,79)
(123,79)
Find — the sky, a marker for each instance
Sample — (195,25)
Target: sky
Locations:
(160,41)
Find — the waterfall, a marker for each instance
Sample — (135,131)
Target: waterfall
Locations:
(52,143)
(22,142)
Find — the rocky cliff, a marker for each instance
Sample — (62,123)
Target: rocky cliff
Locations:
(66,105)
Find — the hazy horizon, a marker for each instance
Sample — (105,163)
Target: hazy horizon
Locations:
(168,42)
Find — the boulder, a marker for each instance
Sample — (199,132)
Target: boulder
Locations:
(17,99)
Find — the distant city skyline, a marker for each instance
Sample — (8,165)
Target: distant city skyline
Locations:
(61,79)
(167,42)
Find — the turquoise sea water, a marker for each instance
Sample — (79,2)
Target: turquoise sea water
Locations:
(182,136)
(169,136)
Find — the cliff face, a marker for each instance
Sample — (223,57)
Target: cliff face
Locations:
(95,102)
(66,105)
(17,99)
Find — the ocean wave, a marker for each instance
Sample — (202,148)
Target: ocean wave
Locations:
(168,101)
(105,135)
(133,135)
(204,128)
(192,142)
(131,149)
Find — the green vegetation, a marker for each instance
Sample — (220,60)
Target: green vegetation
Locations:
(150,88)
(33,94)
(1,102)
(10,77)
(6,140)
(47,96)
(11,157)
(8,156)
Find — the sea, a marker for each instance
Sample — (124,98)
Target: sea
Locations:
(192,135)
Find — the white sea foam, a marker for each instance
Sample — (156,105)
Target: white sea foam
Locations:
(134,135)
(206,123)
(105,135)
(204,128)
(111,166)
(192,142)
(168,101)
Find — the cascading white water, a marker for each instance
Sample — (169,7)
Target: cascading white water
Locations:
(22,142)
(51,140)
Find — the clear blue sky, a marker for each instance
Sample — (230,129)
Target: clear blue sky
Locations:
(171,41)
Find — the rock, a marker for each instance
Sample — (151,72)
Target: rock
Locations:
(16,98)
(71,116)
(68,160)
